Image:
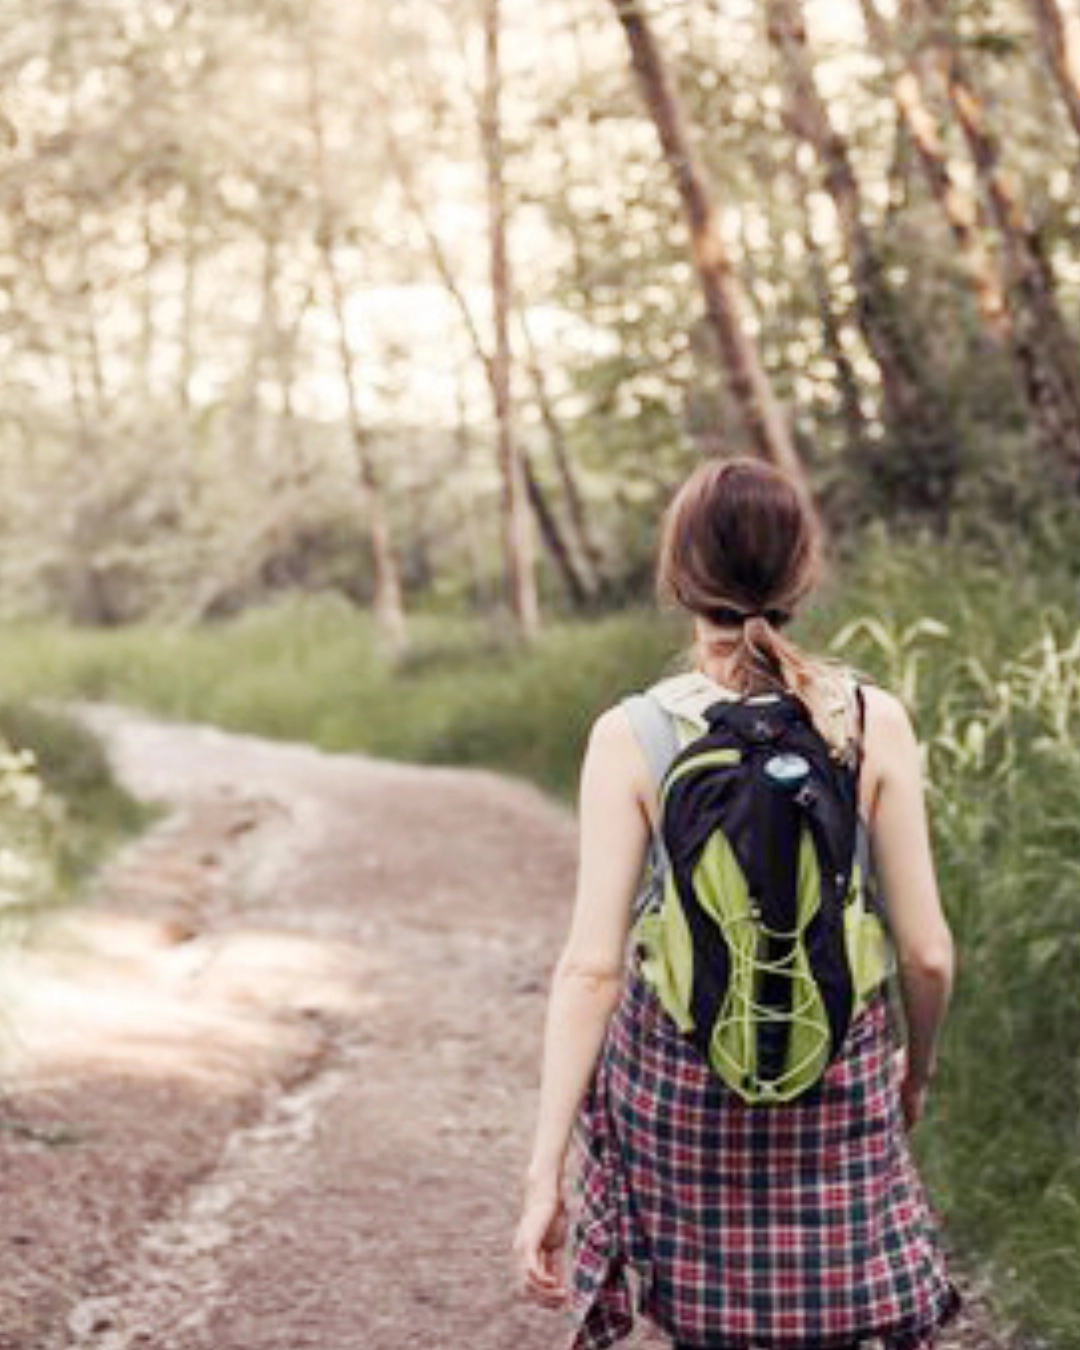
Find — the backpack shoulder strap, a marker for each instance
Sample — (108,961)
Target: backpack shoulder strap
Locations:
(864,845)
(860,701)
(654,728)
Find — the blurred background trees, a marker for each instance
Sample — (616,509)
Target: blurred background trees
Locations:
(349,352)
(432,303)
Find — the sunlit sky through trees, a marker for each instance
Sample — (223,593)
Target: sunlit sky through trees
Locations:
(247,251)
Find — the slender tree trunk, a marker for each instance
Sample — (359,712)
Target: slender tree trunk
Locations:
(90,325)
(912,406)
(553,538)
(1002,298)
(560,451)
(1047,352)
(832,335)
(1062,48)
(960,210)
(581,267)
(765,426)
(84,287)
(518,548)
(188,300)
(146,324)
(294,471)
(80,417)
(247,407)
(468,522)
(550,530)
(898,175)
(388,605)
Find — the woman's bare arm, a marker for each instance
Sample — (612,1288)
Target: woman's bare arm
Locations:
(613,836)
(901,844)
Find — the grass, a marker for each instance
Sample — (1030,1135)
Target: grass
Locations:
(312,670)
(97,811)
(57,833)
(978,634)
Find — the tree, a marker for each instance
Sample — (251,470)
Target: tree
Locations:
(764,424)
(1049,358)
(1062,56)
(517,526)
(959,209)
(389,609)
(913,407)
(578,587)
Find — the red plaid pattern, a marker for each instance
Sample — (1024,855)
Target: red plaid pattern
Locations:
(787,1227)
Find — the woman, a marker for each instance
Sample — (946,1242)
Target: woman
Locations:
(787,1226)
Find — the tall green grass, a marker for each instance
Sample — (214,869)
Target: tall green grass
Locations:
(465,693)
(980,636)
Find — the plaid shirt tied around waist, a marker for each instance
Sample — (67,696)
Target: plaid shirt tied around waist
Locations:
(786,1227)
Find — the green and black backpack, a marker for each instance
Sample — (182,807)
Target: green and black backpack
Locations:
(766,934)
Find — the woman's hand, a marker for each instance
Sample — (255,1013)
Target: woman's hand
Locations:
(538,1245)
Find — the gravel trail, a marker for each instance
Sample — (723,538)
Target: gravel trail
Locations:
(272,1086)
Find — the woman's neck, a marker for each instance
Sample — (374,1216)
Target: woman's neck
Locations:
(719,672)
(715,660)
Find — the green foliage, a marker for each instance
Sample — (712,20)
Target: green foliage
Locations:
(466,691)
(61,805)
(976,631)
(994,685)
(29,817)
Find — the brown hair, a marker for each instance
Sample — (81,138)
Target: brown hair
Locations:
(739,538)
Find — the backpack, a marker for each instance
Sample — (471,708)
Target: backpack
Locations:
(766,935)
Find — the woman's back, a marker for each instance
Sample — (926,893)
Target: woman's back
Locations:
(799,1224)
(805,1224)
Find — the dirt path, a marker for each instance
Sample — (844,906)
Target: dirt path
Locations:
(272,1087)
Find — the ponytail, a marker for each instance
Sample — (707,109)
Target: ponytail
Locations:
(740,548)
(762,659)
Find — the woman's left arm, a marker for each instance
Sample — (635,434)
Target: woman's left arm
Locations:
(586,984)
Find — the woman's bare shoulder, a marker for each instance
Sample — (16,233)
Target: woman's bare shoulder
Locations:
(611,726)
(614,742)
(886,711)
(891,742)
(611,736)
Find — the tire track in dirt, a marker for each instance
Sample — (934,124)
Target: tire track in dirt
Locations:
(324,1149)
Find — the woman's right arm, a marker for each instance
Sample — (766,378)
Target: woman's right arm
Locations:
(902,853)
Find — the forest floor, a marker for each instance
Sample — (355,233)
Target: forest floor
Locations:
(272,1086)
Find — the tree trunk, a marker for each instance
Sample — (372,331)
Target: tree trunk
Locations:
(518,549)
(960,211)
(550,531)
(468,522)
(764,424)
(552,535)
(189,300)
(1062,50)
(1045,347)
(85,286)
(912,406)
(146,317)
(575,502)
(388,605)
(294,470)
(847,382)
